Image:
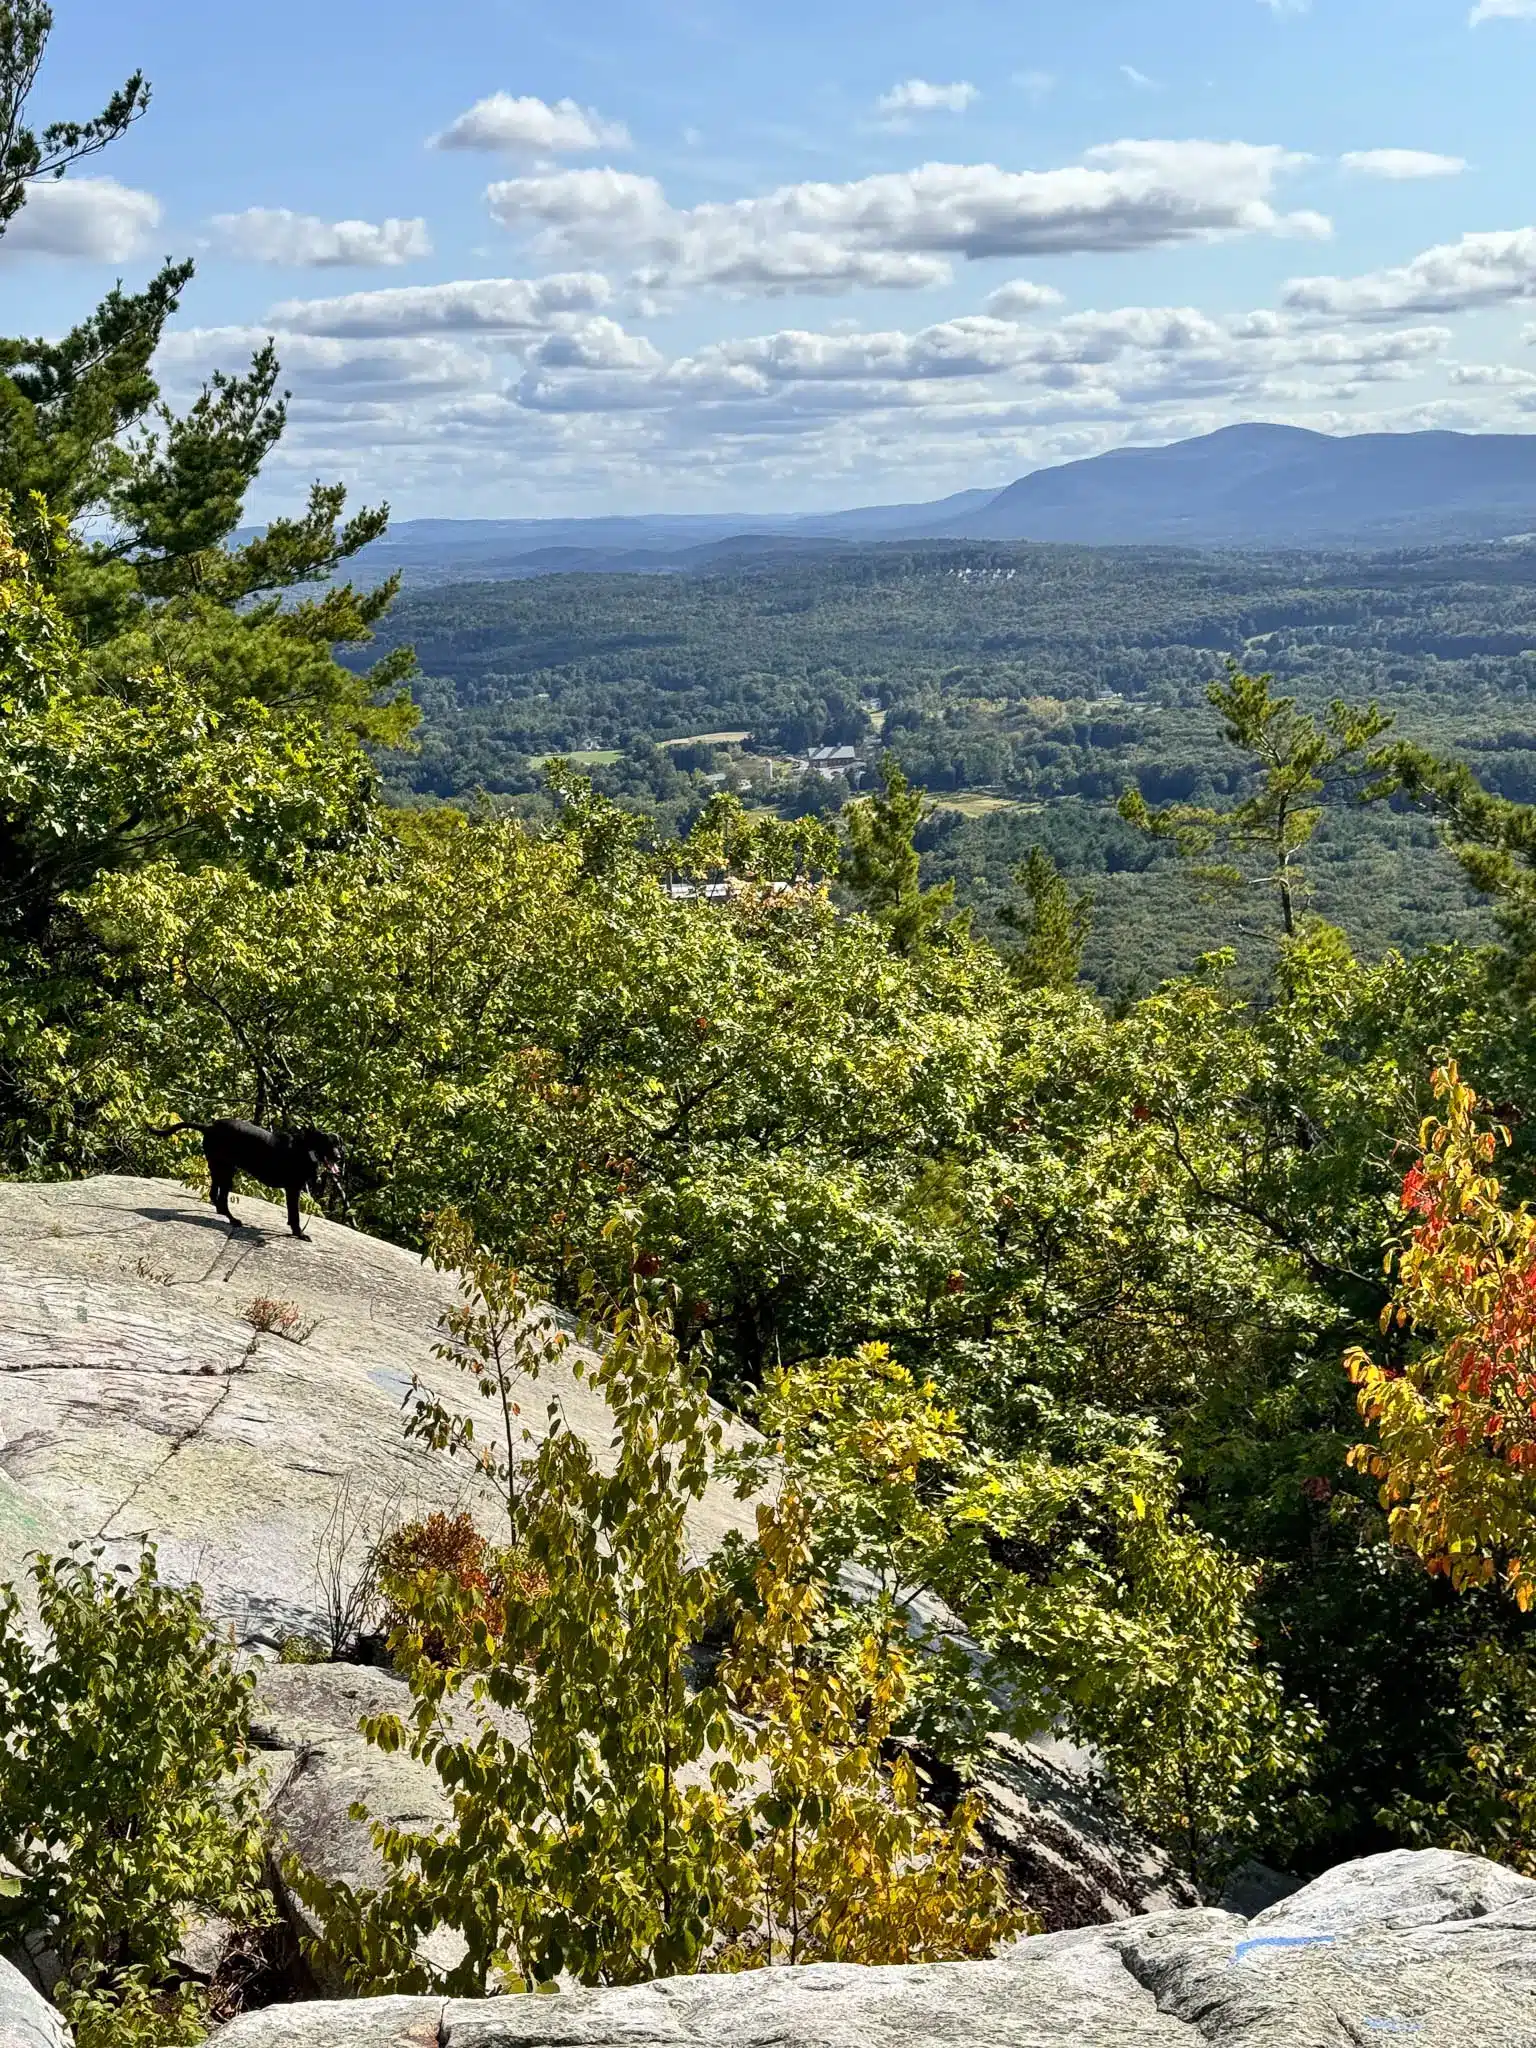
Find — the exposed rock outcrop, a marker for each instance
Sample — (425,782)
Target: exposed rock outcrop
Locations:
(139,1405)
(1424,1946)
(27,2020)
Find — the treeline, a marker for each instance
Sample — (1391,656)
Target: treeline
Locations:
(1080,674)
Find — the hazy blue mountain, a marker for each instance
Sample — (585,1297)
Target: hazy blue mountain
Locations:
(440,550)
(1243,487)
(1275,486)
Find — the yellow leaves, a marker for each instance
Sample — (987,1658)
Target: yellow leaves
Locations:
(851,1867)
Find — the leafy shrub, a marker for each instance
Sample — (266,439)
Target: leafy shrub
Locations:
(1089,1598)
(414,1557)
(849,1868)
(302,1650)
(604,1824)
(119,1812)
(280,1318)
(1456,1420)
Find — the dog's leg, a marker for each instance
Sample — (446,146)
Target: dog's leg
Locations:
(295,1221)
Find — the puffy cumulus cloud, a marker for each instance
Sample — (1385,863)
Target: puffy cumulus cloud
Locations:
(1402,163)
(600,344)
(482,305)
(1492,376)
(1020,296)
(918,96)
(90,217)
(1109,362)
(272,234)
(1479,270)
(600,206)
(322,366)
(1503,10)
(904,228)
(501,121)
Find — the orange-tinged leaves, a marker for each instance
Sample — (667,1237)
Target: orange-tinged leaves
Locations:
(1456,1427)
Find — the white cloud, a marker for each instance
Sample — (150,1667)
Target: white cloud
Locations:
(1497,376)
(1503,10)
(530,124)
(484,305)
(1139,79)
(272,234)
(1020,296)
(1287,6)
(1402,163)
(918,96)
(603,204)
(1479,270)
(322,366)
(90,217)
(600,344)
(1111,361)
(903,228)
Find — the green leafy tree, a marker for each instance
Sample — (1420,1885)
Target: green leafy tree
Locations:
(26,155)
(120,1810)
(98,780)
(1492,838)
(1296,757)
(1091,1596)
(593,1785)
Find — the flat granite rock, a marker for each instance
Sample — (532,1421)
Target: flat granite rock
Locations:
(138,1405)
(1426,1947)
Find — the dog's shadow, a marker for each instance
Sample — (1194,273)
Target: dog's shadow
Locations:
(242,1232)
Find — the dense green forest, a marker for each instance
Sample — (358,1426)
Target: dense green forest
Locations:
(1043,680)
(1178,1344)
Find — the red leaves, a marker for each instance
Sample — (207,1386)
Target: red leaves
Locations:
(1455,1411)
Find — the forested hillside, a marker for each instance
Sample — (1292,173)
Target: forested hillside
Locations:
(1042,681)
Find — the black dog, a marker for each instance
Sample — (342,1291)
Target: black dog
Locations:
(290,1160)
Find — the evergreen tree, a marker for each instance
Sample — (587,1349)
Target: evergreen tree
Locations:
(881,863)
(1296,757)
(1053,928)
(151,499)
(25,155)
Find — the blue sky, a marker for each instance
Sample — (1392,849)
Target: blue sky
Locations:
(536,259)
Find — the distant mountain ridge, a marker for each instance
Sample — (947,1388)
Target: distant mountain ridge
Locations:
(1252,486)
(1266,486)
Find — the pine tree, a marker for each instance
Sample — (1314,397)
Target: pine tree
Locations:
(151,498)
(1053,928)
(26,156)
(881,864)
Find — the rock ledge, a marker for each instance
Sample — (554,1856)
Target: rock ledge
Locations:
(1426,1946)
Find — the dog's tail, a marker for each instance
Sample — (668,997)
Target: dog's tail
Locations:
(170,1130)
